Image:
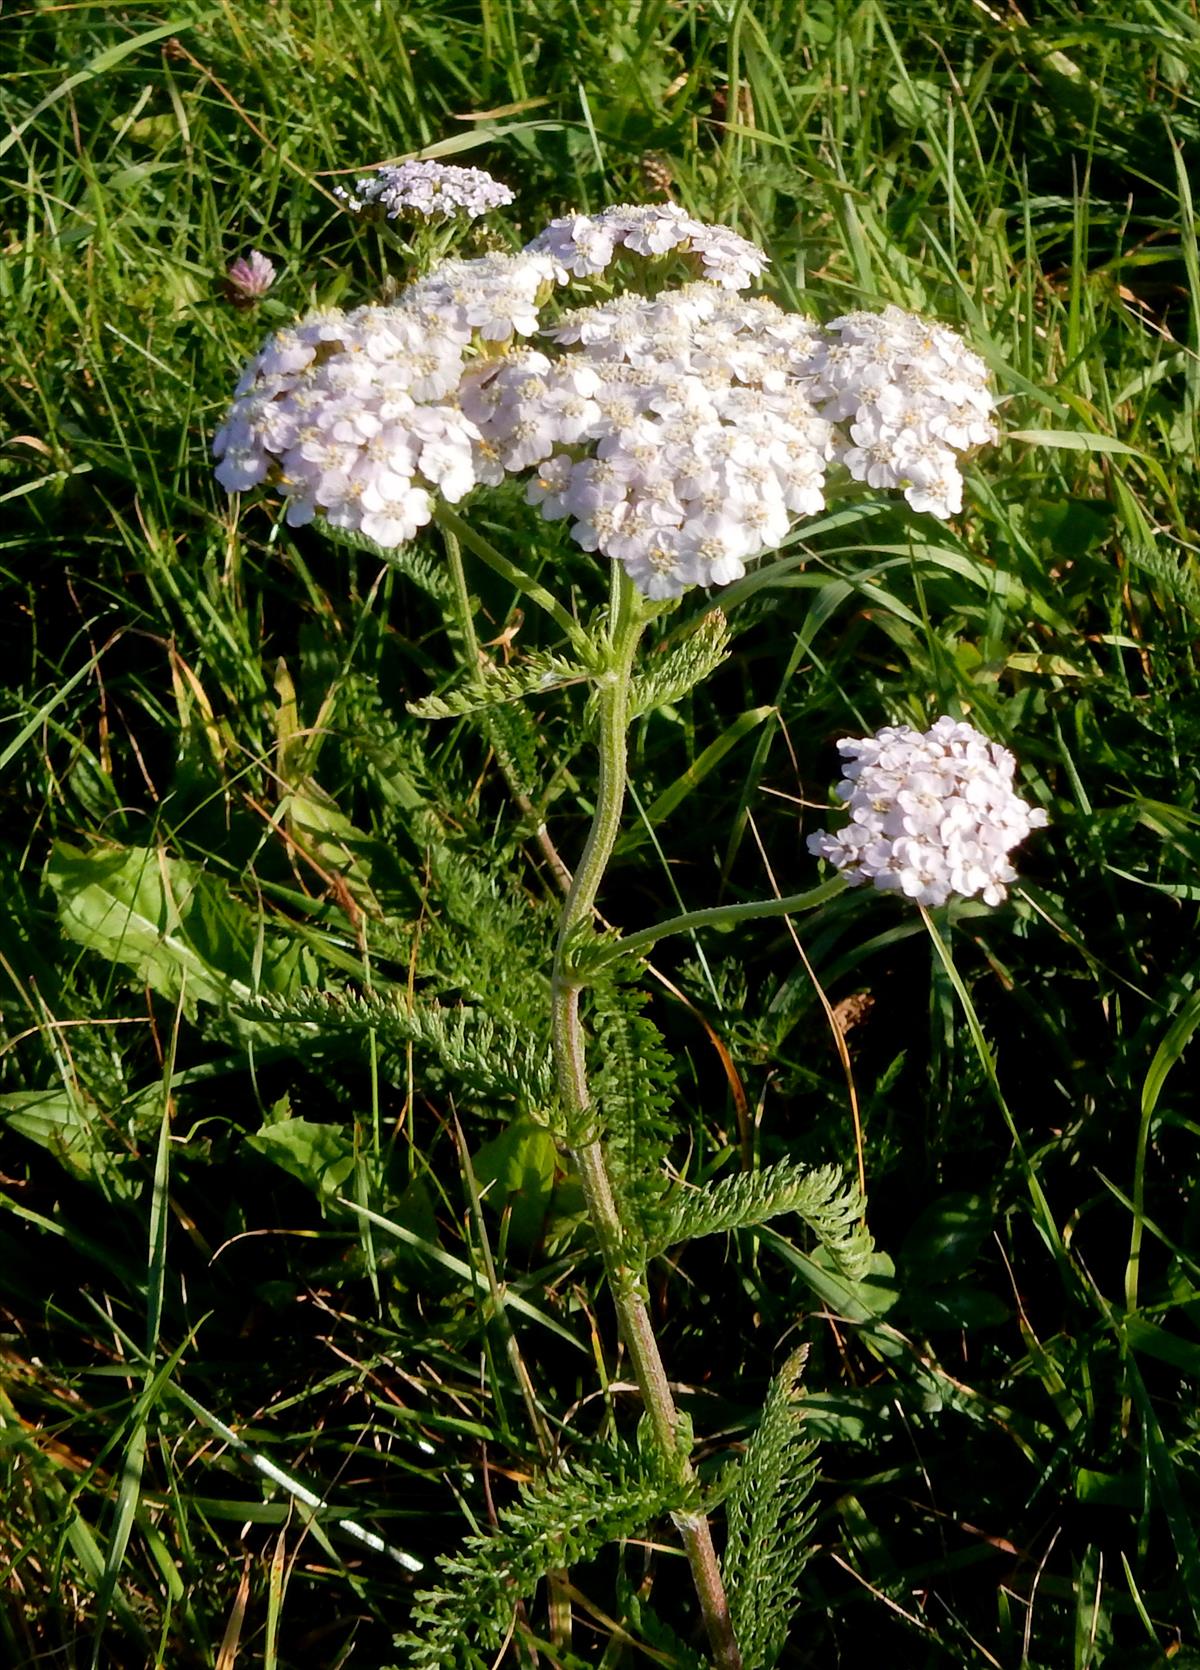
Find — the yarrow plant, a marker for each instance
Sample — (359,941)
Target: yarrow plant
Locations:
(680,429)
(933,814)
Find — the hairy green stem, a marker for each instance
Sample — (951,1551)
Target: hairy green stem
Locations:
(462,602)
(623,1265)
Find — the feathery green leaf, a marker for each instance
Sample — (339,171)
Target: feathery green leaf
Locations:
(484,1056)
(564,1519)
(770,1523)
(495,685)
(666,678)
(410,560)
(831,1207)
(633,1082)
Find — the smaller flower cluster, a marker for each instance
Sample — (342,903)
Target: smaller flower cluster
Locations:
(496,296)
(354,415)
(584,245)
(913,395)
(426,190)
(931,814)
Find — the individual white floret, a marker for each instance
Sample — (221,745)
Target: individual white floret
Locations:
(932,814)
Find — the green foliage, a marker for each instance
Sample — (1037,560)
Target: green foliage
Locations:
(632,1080)
(1176,575)
(319,1156)
(495,685)
(67,1124)
(562,1520)
(415,563)
(516,1170)
(174,928)
(486,1058)
(489,941)
(832,1209)
(670,675)
(770,1518)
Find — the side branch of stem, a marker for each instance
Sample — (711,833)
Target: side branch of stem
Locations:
(717,916)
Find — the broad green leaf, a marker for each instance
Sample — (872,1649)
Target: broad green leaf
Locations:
(64,1124)
(943,1243)
(324,834)
(319,1156)
(172,926)
(516,1169)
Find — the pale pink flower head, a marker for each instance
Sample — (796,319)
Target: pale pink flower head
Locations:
(933,814)
(249,277)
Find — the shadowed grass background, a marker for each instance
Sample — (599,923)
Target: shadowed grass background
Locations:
(212,793)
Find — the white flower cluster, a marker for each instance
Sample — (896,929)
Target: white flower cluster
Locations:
(670,432)
(680,434)
(912,394)
(584,245)
(355,415)
(352,415)
(931,814)
(426,190)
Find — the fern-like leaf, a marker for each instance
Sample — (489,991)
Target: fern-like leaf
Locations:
(831,1207)
(564,1519)
(633,1080)
(513,737)
(485,938)
(494,686)
(410,560)
(484,1057)
(1178,578)
(666,678)
(770,1523)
